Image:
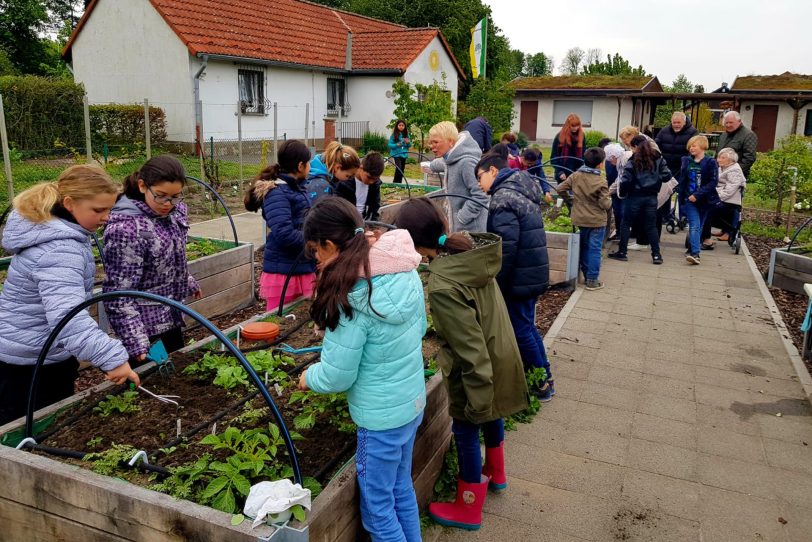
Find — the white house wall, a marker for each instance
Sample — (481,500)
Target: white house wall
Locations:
(369,101)
(783,125)
(422,71)
(604,115)
(126,52)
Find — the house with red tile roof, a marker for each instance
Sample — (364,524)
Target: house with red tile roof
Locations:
(203,61)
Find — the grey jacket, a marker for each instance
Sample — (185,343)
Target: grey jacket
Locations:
(730,184)
(52,271)
(459,165)
(744,141)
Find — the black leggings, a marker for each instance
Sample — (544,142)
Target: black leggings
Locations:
(55,382)
(173,341)
(400,162)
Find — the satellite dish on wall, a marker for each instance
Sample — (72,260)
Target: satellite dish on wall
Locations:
(389,94)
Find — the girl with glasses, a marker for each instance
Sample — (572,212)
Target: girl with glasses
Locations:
(145,250)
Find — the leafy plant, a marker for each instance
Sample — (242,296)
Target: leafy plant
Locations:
(771,174)
(315,404)
(446,484)
(123,403)
(94,442)
(592,138)
(109,461)
(491,99)
(375,142)
(422,106)
(199,248)
(168,451)
(231,376)
(220,491)
(182,481)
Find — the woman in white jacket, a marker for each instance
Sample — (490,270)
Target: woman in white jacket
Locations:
(730,188)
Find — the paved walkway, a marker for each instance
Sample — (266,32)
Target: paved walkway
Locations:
(678,416)
(250,229)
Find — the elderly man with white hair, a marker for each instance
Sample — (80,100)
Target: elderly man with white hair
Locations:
(740,139)
(673,140)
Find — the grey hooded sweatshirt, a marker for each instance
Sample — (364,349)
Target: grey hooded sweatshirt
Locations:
(460,167)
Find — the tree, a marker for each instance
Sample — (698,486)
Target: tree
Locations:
(773,178)
(680,84)
(614,65)
(491,99)
(662,116)
(422,106)
(593,56)
(572,61)
(538,65)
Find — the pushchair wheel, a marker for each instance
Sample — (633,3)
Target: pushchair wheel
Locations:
(683,223)
(738,243)
(671,227)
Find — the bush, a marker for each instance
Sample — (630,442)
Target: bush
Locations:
(118,124)
(42,113)
(592,138)
(492,100)
(771,174)
(521,140)
(375,142)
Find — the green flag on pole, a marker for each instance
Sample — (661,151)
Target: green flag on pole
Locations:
(479,44)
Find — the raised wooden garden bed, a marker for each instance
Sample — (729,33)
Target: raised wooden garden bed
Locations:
(562,251)
(394,195)
(42,497)
(789,270)
(226,279)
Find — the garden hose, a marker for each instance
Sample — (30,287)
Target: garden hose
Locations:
(797,232)
(29,421)
(222,202)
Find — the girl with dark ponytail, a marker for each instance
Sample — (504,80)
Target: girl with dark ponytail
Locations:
(481,364)
(278,192)
(369,300)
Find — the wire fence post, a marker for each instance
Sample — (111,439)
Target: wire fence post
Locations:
(307,124)
(339,122)
(275,133)
(147,129)
(239,135)
(88,147)
(6,157)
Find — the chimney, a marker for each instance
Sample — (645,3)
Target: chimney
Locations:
(348,56)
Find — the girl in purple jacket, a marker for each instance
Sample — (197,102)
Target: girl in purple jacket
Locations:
(145,250)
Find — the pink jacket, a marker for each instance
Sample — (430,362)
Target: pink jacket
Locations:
(393,253)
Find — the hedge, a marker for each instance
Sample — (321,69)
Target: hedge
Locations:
(42,113)
(118,124)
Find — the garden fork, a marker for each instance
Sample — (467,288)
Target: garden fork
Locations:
(158,354)
(162,398)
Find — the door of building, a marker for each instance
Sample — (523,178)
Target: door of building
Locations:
(765,118)
(529,118)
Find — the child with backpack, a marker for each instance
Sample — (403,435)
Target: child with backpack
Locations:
(369,302)
(336,164)
(591,202)
(52,271)
(479,358)
(145,250)
(279,192)
(364,190)
(514,214)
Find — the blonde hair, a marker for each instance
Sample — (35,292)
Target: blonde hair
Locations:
(341,156)
(445,130)
(629,131)
(81,182)
(701,140)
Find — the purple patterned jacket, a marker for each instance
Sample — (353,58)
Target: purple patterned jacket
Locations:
(146,252)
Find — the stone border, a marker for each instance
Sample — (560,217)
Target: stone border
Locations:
(795,358)
(559,321)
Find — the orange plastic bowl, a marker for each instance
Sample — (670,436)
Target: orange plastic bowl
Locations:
(260,331)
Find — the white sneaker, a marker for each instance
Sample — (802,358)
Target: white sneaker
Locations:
(635,246)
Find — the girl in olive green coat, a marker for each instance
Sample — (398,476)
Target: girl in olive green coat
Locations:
(480,359)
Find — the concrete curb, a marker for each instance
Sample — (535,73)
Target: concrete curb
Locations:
(558,323)
(795,358)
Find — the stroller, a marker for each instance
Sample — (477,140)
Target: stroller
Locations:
(675,222)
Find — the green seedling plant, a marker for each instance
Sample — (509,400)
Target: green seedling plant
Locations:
(314,404)
(184,482)
(109,462)
(94,442)
(229,377)
(123,403)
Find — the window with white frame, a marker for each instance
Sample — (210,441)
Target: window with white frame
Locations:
(562,108)
(251,83)
(337,96)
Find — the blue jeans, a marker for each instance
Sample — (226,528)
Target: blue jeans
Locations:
(590,251)
(466,435)
(522,313)
(388,503)
(696,215)
(634,209)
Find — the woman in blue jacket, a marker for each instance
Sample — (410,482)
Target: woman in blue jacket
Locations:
(399,144)
(51,272)
(370,303)
(698,177)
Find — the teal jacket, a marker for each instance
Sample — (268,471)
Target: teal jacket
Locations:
(378,358)
(398,149)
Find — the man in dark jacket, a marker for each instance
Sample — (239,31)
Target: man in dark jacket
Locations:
(673,141)
(741,139)
(481,131)
(515,215)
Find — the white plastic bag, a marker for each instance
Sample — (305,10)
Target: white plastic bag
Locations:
(274,499)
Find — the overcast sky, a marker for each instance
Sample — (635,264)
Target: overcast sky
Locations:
(710,41)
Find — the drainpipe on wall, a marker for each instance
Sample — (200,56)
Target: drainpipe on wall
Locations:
(199,105)
(617,126)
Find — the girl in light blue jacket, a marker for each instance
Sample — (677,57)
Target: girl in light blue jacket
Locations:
(369,300)
(51,272)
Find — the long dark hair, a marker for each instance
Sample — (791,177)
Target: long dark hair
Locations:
(644,156)
(337,220)
(157,170)
(426,224)
(404,134)
(291,153)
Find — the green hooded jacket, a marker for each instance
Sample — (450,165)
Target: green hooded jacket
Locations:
(480,360)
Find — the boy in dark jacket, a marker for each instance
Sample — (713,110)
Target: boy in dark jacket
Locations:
(591,202)
(364,190)
(515,215)
(480,129)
